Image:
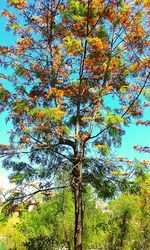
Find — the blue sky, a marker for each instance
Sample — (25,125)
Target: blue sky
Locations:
(135,135)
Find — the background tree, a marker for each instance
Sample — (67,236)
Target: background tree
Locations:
(130,215)
(121,224)
(79,68)
(51,224)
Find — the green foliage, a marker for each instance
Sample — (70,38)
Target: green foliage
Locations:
(20,106)
(124,89)
(76,10)
(113,119)
(105,151)
(15,26)
(4,94)
(72,44)
(102,33)
(19,69)
(121,224)
(127,230)
(140,168)
(146,93)
(95,223)
(52,114)
(52,224)
(10,236)
(55,220)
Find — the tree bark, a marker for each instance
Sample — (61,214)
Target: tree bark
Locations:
(77,190)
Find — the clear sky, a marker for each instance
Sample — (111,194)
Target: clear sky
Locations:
(135,135)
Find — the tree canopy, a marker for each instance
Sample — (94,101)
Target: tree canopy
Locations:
(79,75)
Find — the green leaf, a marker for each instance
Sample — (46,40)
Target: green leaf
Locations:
(146,93)
(123,89)
(15,26)
(19,70)
(111,119)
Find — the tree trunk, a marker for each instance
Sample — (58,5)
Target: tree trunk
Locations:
(77,190)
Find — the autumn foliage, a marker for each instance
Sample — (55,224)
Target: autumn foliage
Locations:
(80,75)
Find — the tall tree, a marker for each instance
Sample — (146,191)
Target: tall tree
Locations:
(78,70)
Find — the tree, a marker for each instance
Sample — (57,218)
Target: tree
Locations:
(51,224)
(121,224)
(79,69)
(11,238)
(128,221)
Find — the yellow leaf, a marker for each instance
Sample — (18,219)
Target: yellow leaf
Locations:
(114,173)
(107,162)
(100,146)
(25,129)
(13,180)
